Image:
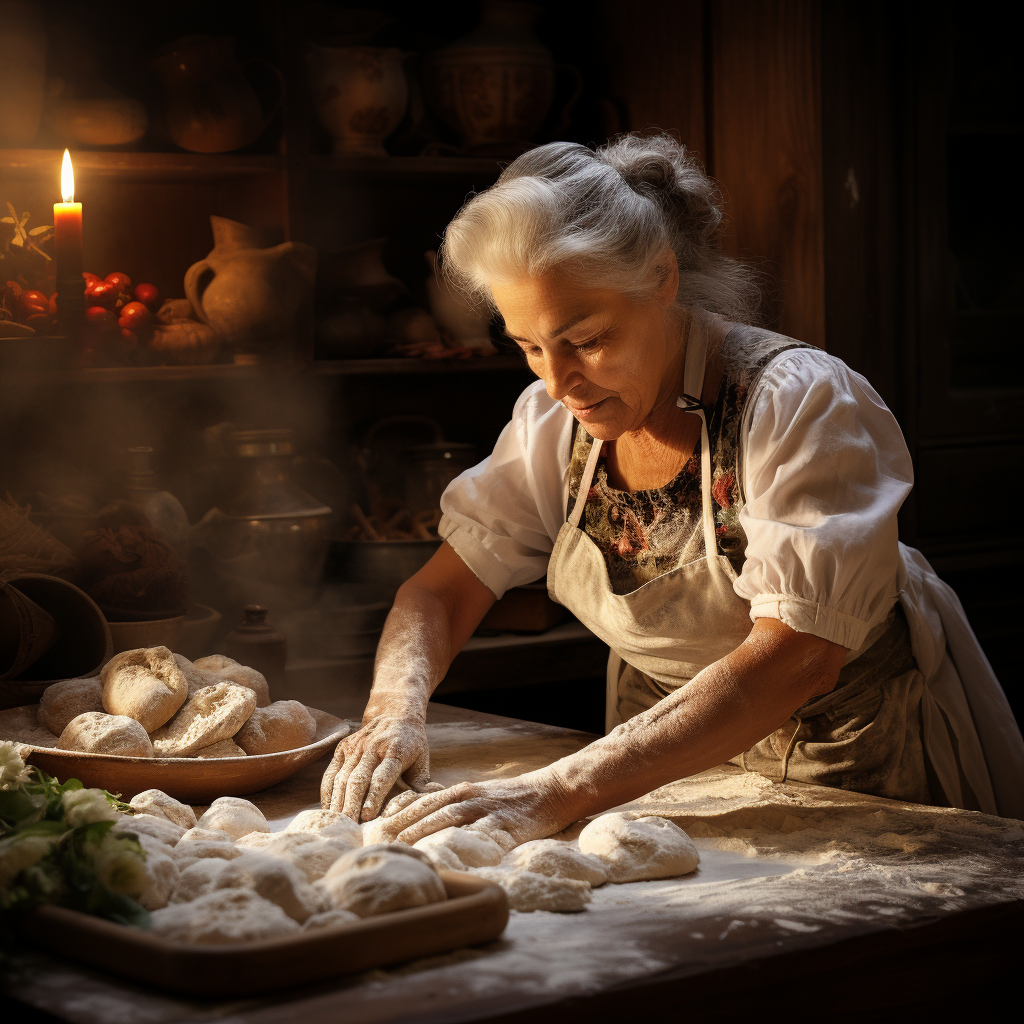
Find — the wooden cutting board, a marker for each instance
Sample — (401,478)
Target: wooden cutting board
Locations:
(476,911)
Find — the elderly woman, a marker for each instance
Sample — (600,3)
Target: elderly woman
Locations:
(714,501)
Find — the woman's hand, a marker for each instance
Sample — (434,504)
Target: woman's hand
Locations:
(368,763)
(510,811)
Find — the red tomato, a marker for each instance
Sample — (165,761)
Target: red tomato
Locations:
(134,316)
(147,293)
(31,303)
(101,293)
(90,278)
(122,281)
(99,315)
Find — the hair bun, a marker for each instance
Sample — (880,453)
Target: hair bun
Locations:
(650,173)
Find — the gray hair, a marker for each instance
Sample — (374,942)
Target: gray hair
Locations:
(603,216)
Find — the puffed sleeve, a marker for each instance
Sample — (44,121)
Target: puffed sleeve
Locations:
(502,516)
(825,470)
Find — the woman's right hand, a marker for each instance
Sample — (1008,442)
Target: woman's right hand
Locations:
(368,763)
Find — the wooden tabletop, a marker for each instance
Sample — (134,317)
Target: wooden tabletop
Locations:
(804,897)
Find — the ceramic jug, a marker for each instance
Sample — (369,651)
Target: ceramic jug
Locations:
(359,93)
(463,325)
(211,107)
(256,299)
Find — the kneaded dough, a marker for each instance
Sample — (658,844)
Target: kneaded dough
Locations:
(257,840)
(235,816)
(211,714)
(379,879)
(329,919)
(222,748)
(161,873)
(443,859)
(312,855)
(68,699)
(559,860)
(222,917)
(94,732)
(204,834)
(221,667)
(145,684)
(529,891)
(473,849)
(165,831)
(158,803)
(639,849)
(272,878)
(328,825)
(188,853)
(285,725)
(195,678)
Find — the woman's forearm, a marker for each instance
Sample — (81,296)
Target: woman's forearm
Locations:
(722,711)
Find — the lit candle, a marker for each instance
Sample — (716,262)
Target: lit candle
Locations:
(67,226)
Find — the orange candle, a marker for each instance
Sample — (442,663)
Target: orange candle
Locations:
(67,227)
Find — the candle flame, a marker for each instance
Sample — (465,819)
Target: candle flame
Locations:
(67,179)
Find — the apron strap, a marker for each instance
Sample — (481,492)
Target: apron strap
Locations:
(585,481)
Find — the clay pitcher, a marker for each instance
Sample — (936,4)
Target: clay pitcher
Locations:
(464,325)
(211,107)
(256,298)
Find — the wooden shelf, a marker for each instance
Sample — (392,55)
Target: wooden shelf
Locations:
(22,163)
(362,367)
(215,371)
(412,169)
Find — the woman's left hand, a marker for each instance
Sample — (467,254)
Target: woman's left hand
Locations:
(510,811)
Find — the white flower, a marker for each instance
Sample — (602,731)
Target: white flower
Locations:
(120,865)
(84,806)
(20,852)
(12,768)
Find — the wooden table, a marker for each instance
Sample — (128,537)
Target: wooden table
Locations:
(807,900)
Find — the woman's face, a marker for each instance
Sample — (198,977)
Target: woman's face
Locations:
(611,360)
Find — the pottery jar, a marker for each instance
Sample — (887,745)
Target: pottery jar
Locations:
(360,94)
(22,72)
(464,325)
(255,299)
(211,107)
(104,117)
(496,84)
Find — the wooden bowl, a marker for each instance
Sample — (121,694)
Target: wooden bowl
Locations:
(192,780)
(130,636)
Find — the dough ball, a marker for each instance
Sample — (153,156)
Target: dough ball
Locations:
(161,829)
(144,684)
(185,854)
(528,891)
(474,849)
(558,860)
(63,701)
(328,825)
(257,840)
(195,678)
(312,855)
(235,816)
(271,877)
(285,725)
(161,873)
(639,849)
(330,919)
(158,803)
(376,831)
(222,917)
(379,879)
(443,859)
(211,714)
(97,733)
(201,834)
(221,667)
(222,748)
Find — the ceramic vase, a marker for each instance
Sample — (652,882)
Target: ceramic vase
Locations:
(462,323)
(495,85)
(360,94)
(256,299)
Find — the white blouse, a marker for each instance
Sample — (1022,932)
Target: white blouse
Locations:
(823,468)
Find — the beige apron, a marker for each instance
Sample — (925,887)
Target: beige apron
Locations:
(864,735)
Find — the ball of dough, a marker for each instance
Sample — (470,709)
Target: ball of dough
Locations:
(235,816)
(221,667)
(165,831)
(474,849)
(312,855)
(68,699)
(97,733)
(528,891)
(559,860)
(330,919)
(285,725)
(639,849)
(158,803)
(222,748)
(195,678)
(161,873)
(328,825)
(377,880)
(205,835)
(257,840)
(185,854)
(222,917)
(442,859)
(211,714)
(144,684)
